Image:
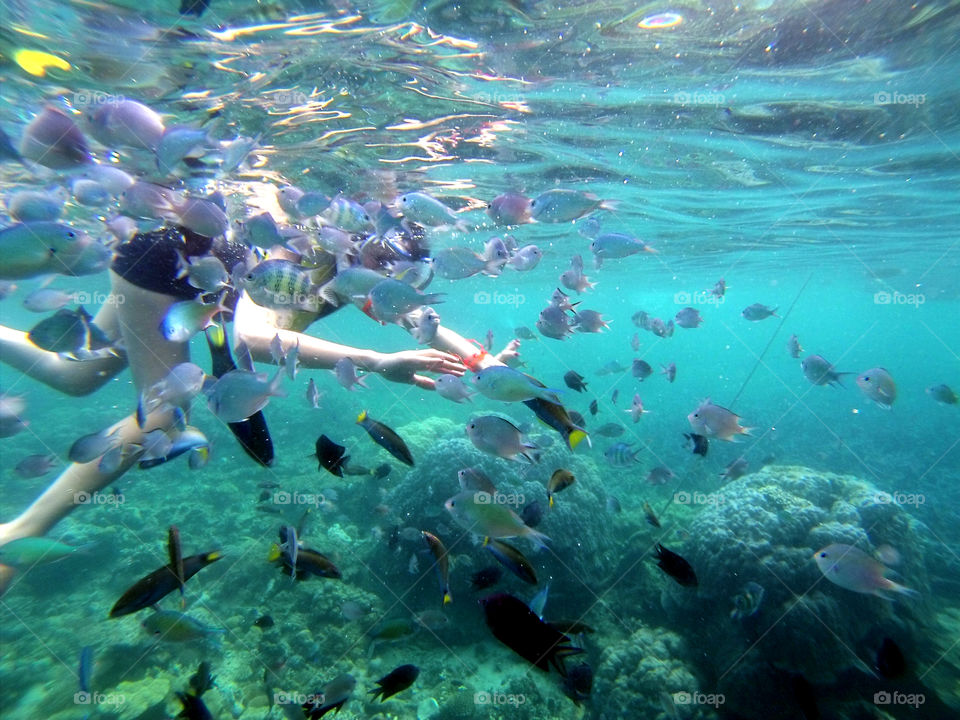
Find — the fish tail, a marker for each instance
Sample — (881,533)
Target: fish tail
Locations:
(610,205)
(537,537)
(434,298)
(274,553)
(551,500)
(362,416)
(276,384)
(576,437)
(892,586)
(447,597)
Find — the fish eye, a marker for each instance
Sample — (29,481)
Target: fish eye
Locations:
(866,378)
(823,554)
(71,234)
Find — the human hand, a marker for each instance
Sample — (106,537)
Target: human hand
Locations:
(510,353)
(406,366)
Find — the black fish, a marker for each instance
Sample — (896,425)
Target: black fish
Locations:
(201,680)
(330,456)
(518,627)
(386,438)
(149,590)
(176,556)
(309,562)
(263,622)
(193,707)
(578,683)
(381,471)
(396,681)
(697,444)
(488,577)
(557,417)
(194,7)
(890,660)
(532,513)
(571,627)
(594,408)
(574,381)
(578,419)
(252,433)
(676,567)
(805,697)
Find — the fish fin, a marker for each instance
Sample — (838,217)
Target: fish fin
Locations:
(362,416)
(576,437)
(550,503)
(537,538)
(610,205)
(447,598)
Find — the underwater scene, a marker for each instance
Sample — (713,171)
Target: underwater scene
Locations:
(487,359)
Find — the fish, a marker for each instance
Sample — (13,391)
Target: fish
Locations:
(239,394)
(574,381)
(878,385)
(330,456)
(497,436)
(193,706)
(264,622)
(688,318)
(176,143)
(186,318)
(425,331)
(697,444)
(481,514)
(509,209)
(793,346)
(660,475)
(309,562)
(820,372)
(622,455)
(72,334)
(532,513)
(475,480)
(557,417)
(635,342)
(852,569)
(554,323)
(574,279)
(735,469)
(499,382)
(385,438)
(670,371)
(515,625)
(757,312)
(284,285)
(393,629)
(125,123)
(34,466)
(452,388)
(589,321)
(313,395)
(747,602)
(201,680)
(636,408)
(289,549)
(345,371)
(53,140)
(35,205)
(89,193)
(613,505)
(594,407)
(457,263)
(90,447)
(397,680)
(650,515)
(561,479)
(12,408)
(890,661)
(525,258)
(150,589)
(332,696)
(424,209)
(25,552)
(202,216)
(485,578)
(616,246)
(176,559)
(173,626)
(641,369)
(85,669)
(715,421)
(344,213)
(205,273)
(610,430)
(561,205)
(675,566)
(942,394)
(442,565)
(390,299)
(524,333)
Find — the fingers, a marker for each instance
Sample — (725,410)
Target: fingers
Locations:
(424,383)
(442,362)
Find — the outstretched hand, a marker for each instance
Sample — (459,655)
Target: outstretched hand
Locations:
(406,366)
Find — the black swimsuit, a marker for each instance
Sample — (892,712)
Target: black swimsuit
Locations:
(152,260)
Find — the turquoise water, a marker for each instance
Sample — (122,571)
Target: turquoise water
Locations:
(805,152)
